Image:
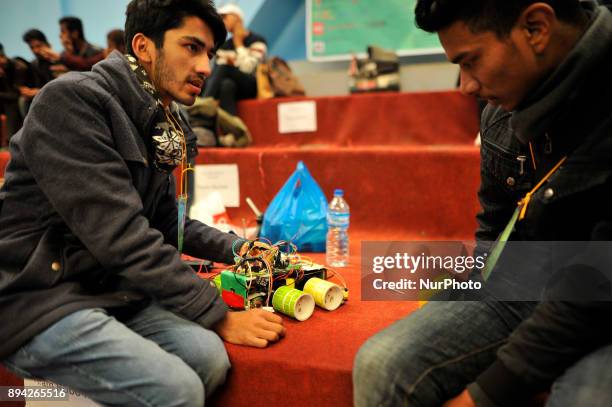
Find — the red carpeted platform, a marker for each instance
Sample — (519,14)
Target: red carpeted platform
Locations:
(409,171)
(419,191)
(8,379)
(371,119)
(312,365)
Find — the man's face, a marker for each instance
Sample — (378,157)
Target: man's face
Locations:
(37,46)
(181,66)
(3,61)
(500,70)
(230,21)
(66,35)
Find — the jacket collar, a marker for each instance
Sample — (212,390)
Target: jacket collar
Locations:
(565,98)
(139,105)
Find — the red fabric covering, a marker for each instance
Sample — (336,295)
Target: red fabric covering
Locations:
(417,191)
(368,119)
(312,365)
(9,379)
(4,159)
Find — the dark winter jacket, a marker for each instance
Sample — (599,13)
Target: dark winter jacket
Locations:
(86,219)
(564,116)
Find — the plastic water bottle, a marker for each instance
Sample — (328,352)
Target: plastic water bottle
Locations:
(337,243)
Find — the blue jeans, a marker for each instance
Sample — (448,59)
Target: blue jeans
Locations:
(430,356)
(155,358)
(586,383)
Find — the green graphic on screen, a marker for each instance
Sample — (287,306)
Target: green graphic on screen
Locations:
(339,28)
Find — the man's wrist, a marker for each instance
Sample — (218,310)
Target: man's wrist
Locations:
(479,397)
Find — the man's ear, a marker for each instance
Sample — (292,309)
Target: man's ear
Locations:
(536,23)
(143,48)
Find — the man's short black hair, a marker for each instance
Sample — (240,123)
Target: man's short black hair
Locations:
(154,17)
(498,16)
(34,34)
(73,24)
(1,49)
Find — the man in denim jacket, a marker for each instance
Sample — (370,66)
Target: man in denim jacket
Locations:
(93,292)
(543,66)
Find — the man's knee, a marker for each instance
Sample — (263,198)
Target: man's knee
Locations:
(218,365)
(180,387)
(380,370)
(394,365)
(208,357)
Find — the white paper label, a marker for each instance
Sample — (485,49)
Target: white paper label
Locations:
(297,117)
(221,178)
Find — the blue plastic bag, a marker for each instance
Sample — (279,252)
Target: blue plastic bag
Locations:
(298,213)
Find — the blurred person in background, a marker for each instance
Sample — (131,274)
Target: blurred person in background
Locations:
(42,68)
(14,74)
(233,77)
(78,54)
(115,40)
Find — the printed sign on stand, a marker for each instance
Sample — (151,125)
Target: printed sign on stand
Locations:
(218,178)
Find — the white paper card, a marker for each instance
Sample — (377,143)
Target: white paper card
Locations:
(297,117)
(222,178)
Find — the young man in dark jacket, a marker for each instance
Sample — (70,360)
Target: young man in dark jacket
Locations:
(543,67)
(93,292)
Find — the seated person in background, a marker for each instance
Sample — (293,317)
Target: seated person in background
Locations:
(43,69)
(234,76)
(543,66)
(13,74)
(115,40)
(90,231)
(78,55)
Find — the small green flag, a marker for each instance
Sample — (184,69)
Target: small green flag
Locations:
(500,244)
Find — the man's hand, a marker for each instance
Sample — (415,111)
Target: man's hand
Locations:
(28,93)
(255,328)
(462,400)
(50,55)
(244,249)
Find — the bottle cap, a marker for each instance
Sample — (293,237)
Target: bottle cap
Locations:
(338,192)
